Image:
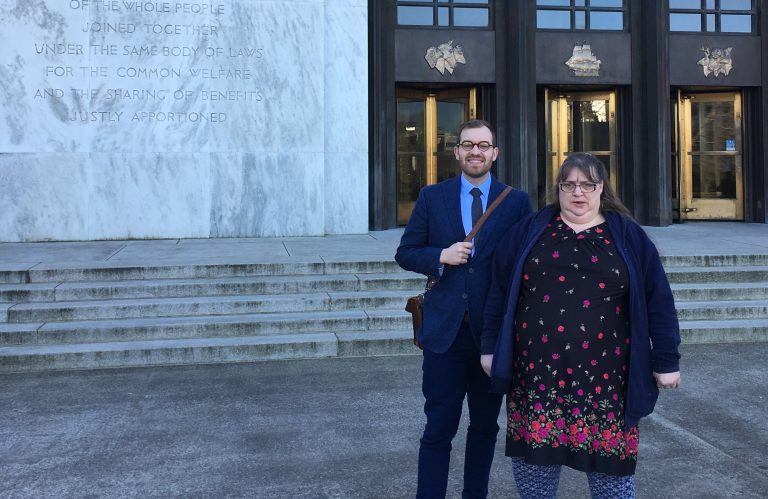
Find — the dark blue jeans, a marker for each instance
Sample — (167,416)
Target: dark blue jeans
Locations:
(447,378)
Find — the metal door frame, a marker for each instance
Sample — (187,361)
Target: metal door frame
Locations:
(700,208)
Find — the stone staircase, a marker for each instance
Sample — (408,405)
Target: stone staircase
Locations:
(100,316)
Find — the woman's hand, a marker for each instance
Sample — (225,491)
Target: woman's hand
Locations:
(667,380)
(486,361)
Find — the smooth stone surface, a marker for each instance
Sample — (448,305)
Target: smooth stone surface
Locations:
(183,119)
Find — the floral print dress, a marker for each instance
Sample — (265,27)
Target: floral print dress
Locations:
(571,355)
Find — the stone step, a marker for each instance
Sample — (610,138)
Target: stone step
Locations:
(724,291)
(724,331)
(102,271)
(166,288)
(203,305)
(731,310)
(204,350)
(745,260)
(680,275)
(202,326)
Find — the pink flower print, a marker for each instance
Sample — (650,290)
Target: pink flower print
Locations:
(546,298)
(560,423)
(617,351)
(600,335)
(575,411)
(562,438)
(542,387)
(605,375)
(555,254)
(618,310)
(554,234)
(586,303)
(525,277)
(601,285)
(611,416)
(579,392)
(569,370)
(561,383)
(595,405)
(595,444)
(580,236)
(524,353)
(561,278)
(599,230)
(531,366)
(594,259)
(594,429)
(585,345)
(537,406)
(560,400)
(581,437)
(544,338)
(560,328)
(593,362)
(543,432)
(598,390)
(615,396)
(524,325)
(555,356)
(606,241)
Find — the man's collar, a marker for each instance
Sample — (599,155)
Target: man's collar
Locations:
(467,186)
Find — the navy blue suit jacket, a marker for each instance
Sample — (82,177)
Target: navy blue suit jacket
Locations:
(435,224)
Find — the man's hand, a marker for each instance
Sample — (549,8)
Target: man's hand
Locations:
(667,380)
(456,254)
(486,360)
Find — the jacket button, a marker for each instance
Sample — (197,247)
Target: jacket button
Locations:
(464,296)
(471,270)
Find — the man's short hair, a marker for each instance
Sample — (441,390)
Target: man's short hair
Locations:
(476,124)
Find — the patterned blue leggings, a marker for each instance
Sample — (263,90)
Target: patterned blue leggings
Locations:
(540,482)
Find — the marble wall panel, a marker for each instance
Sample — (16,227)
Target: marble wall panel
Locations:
(40,62)
(149,195)
(346,188)
(346,76)
(180,123)
(43,197)
(267,194)
(280,107)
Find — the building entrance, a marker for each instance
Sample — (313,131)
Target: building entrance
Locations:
(426,134)
(708,167)
(580,122)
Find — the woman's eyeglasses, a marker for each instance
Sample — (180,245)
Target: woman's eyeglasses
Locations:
(584,186)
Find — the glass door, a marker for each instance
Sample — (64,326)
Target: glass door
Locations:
(580,122)
(426,134)
(710,157)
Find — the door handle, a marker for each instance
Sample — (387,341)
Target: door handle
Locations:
(688,210)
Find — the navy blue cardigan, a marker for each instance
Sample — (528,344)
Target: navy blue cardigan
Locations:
(653,326)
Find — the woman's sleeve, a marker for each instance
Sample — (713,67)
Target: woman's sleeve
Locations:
(663,326)
(496,301)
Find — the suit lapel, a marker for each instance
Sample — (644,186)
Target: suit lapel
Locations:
(452,203)
(480,239)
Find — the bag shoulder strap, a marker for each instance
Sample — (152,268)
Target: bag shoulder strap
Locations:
(481,221)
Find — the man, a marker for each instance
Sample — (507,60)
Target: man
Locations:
(432,244)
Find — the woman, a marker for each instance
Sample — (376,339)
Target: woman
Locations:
(580,332)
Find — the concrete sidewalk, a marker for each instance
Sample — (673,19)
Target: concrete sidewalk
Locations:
(331,428)
(691,238)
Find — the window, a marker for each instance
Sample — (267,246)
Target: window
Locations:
(445,13)
(580,15)
(712,16)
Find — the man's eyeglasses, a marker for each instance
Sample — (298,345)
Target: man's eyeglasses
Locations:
(468,145)
(584,186)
